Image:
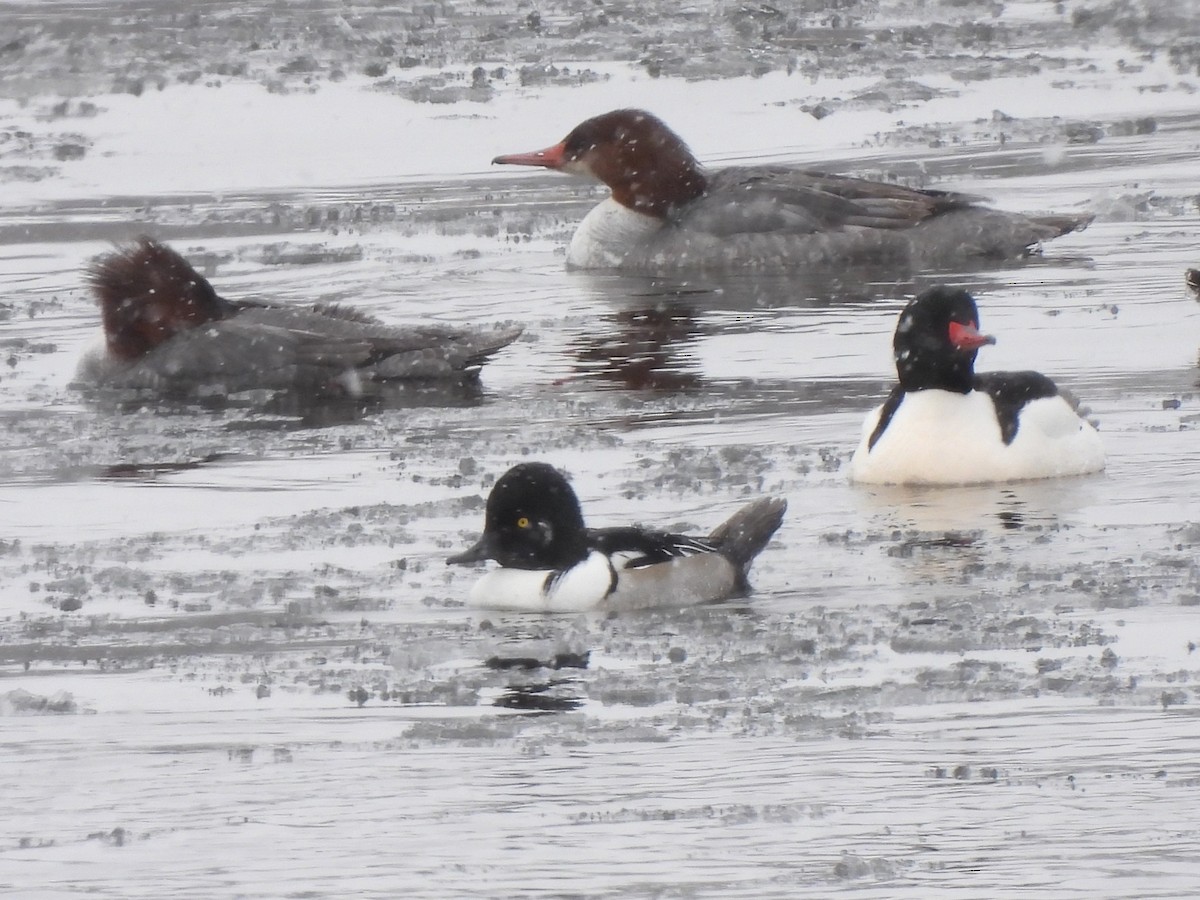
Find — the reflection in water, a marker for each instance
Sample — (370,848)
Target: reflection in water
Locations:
(822,288)
(1010,507)
(540,698)
(550,695)
(292,410)
(644,345)
(647,343)
(643,349)
(149,471)
(1011,519)
(567,659)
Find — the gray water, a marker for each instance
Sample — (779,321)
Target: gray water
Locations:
(233,662)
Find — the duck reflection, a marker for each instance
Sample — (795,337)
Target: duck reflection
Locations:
(541,692)
(967,509)
(644,348)
(648,343)
(294,410)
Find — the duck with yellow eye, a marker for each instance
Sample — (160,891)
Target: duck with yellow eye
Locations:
(550,561)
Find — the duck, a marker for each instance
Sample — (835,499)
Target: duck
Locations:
(945,424)
(667,213)
(551,562)
(1192,279)
(166,330)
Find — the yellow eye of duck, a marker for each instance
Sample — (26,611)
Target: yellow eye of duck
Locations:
(523,522)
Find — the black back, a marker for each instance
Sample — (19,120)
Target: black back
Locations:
(646,547)
(1010,391)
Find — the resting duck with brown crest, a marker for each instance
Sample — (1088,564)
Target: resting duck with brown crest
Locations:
(167,330)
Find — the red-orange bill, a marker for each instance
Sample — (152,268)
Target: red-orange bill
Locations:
(968,337)
(550,158)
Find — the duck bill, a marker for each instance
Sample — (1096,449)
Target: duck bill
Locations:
(551,158)
(481,551)
(968,337)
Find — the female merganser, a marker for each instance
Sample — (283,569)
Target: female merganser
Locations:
(551,562)
(667,213)
(943,424)
(166,330)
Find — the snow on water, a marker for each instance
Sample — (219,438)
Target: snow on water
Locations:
(240,136)
(234,663)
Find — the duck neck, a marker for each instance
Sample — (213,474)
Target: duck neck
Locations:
(661,192)
(954,373)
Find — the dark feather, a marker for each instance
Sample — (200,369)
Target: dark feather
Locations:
(1010,391)
(646,547)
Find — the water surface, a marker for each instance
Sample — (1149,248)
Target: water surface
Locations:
(233,662)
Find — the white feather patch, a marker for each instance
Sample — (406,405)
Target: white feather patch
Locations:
(582,587)
(940,437)
(607,233)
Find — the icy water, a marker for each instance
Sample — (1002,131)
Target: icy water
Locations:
(233,662)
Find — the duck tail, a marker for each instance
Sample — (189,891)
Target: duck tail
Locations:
(479,346)
(744,534)
(1055,226)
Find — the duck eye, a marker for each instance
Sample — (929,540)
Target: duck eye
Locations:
(523,522)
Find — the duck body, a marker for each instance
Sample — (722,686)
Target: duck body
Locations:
(667,212)
(550,562)
(945,424)
(1051,441)
(167,331)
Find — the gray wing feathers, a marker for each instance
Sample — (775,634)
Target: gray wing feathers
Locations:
(279,349)
(223,354)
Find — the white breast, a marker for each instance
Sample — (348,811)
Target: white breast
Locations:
(95,364)
(607,234)
(580,588)
(939,437)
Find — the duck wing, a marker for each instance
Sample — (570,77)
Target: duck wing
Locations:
(348,339)
(237,354)
(1010,391)
(782,200)
(632,547)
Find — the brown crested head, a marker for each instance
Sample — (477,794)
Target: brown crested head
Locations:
(648,166)
(148,293)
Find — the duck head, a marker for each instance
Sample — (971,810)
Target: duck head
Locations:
(937,338)
(533,521)
(148,293)
(647,166)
